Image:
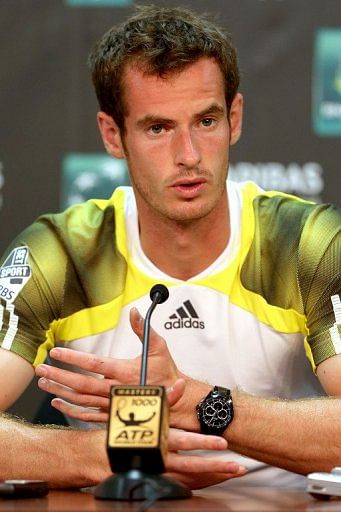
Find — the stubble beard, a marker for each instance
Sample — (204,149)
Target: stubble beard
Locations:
(185,212)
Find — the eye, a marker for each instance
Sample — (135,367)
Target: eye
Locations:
(156,129)
(207,121)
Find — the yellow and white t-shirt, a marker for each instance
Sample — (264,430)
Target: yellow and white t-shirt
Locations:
(249,320)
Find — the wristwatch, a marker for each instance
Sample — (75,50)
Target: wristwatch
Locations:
(215,411)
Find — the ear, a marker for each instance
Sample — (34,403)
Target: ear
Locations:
(111,135)
(236,118)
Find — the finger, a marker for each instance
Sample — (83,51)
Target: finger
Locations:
(74,380)
(175,392)
(197,464)
(156,342)
(136,322)
(72,396)
(79,413)
(124,370)
(196,481)
(182,440)
(84,360)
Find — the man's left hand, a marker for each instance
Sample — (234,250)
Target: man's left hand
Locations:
(86,397)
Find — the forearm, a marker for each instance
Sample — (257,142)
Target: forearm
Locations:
(62,456)
(297,435)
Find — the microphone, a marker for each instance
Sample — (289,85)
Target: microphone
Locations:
(158,294)
(137,434)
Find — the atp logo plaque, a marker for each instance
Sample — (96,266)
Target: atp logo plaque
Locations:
(138,428)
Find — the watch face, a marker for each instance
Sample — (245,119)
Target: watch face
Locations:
(216,412)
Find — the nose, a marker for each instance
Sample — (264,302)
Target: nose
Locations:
(187,154)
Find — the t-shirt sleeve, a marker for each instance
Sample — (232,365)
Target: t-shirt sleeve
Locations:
(32,275)
(319,279)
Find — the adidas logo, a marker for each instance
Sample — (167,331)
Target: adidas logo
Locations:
(185,317)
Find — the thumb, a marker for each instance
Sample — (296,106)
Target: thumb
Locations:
(156,342)
(136,322)
(176,391)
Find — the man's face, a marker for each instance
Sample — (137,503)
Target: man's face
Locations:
(176,140)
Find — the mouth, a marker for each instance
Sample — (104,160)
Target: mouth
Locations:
(189,188)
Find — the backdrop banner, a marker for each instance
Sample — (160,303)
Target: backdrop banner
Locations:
(51,154)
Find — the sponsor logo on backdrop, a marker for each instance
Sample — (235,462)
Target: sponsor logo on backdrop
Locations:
(98,3)
(89,175)
(327,83)
(2,182)
(305,180)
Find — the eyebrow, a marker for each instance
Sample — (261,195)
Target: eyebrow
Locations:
(150,119)
(215,108)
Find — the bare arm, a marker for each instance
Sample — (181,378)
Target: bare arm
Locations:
(63,457)
(77,458)
(329,374)
(15,375)
(301,435)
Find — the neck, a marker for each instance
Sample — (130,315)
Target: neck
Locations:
(184,249)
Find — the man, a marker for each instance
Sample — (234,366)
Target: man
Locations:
(253,276)
(76,458)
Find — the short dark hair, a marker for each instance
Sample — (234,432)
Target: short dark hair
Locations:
(162,40)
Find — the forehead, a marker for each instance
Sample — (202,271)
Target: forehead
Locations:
(199,83)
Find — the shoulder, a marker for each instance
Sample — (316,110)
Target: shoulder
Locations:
(286,240)
(79,220)
(285,213)
(75,230)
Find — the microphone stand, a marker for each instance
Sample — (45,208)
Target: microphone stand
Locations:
(157,299)
(138,466)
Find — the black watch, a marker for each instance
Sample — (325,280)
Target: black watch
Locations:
(215,411)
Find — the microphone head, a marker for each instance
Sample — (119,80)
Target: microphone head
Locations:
(160,292)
